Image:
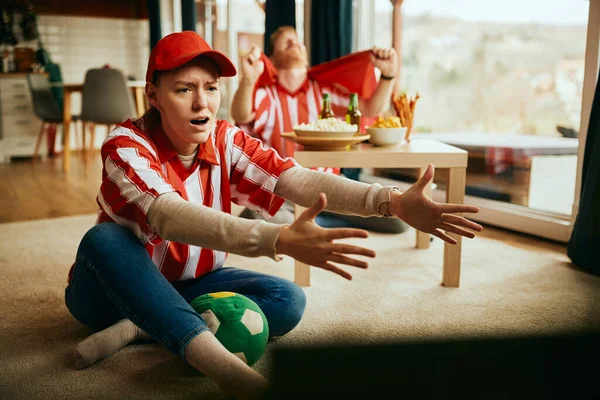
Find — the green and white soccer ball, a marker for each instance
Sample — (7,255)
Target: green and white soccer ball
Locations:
(236,321)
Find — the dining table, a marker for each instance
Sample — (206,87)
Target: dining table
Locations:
(418,153)
(139,96)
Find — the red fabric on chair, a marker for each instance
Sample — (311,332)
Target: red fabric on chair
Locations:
(51,139)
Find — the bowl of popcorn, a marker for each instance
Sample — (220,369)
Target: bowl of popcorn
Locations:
(386,132)
(326,128)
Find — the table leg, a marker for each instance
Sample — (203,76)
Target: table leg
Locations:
(455,193)
(301,270)
(422,237)
(66,126)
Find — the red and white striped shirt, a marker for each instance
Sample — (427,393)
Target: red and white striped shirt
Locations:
(278,111)
(230,166)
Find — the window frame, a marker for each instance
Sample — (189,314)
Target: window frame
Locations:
(553,226)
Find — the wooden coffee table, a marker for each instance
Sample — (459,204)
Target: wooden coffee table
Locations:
(418,153)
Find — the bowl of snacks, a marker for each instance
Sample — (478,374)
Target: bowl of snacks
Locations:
(324,128)
(386,132)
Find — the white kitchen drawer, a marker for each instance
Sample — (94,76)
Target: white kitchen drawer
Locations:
(15,97)
(20,146)
(19,125)
(14,84)
(19,108)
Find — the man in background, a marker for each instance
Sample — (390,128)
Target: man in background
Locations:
(277,93)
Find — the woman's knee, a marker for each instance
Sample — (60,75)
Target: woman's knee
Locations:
(103,242)
(105,234)
(293,304)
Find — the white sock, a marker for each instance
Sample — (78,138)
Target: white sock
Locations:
(104,343)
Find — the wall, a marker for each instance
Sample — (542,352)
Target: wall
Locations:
(92,8)
(81,43)
(80,35)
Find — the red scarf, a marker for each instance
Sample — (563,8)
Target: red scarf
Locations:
(354,73)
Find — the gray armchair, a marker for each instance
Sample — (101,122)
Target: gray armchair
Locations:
(45,106)
(106,100)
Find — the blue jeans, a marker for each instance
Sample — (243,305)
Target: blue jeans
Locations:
(115,278)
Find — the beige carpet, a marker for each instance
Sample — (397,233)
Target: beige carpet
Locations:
(504,291)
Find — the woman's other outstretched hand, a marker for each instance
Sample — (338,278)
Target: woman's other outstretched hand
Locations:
(307,242)
(424,214)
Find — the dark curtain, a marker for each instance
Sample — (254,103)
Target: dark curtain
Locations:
(188,15)
(278,13)
(584,245)
(331,38)
(330,30)
(154,18)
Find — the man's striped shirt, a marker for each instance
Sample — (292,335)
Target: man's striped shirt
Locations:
(278,111)
(230,166)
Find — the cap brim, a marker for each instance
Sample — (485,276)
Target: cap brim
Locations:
(225,66)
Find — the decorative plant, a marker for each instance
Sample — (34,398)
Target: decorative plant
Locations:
(29,23)
(7,35)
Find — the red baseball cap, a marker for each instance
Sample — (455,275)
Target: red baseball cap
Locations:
(178,48)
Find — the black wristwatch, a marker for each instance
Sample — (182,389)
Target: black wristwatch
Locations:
(387,78)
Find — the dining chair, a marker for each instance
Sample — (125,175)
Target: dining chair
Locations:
(106,100)
(46,107)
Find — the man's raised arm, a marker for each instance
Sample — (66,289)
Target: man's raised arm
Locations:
(251,68)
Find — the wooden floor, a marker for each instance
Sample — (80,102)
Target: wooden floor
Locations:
(39,189)
(34,189)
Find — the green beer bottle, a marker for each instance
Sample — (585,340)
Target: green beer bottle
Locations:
(326,111)
(353,114)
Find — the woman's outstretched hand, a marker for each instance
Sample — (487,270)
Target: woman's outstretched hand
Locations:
(424,214)
(307,242)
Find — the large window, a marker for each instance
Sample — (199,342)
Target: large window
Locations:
(502,80)
(495,67)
